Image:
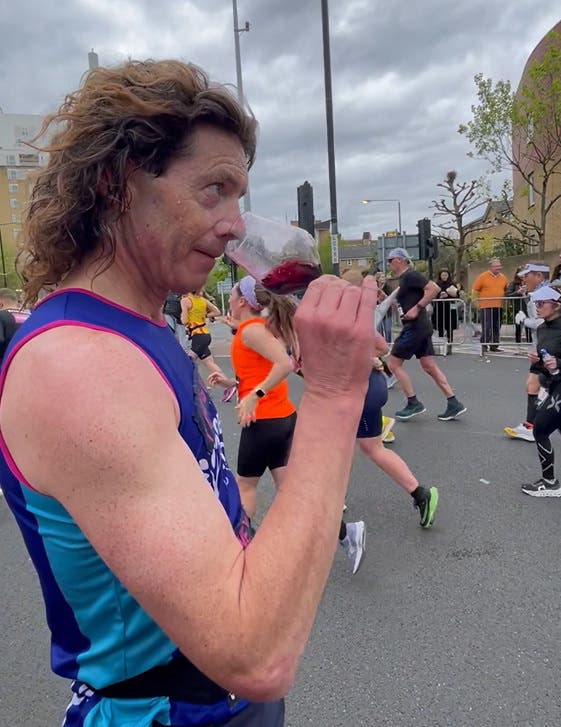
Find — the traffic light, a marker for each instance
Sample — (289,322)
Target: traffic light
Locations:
(432,248)
(424,238)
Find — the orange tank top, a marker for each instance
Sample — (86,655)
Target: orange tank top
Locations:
(250,369)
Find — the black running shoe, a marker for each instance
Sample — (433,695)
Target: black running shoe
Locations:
(453,410)
(427,508)
(542,488)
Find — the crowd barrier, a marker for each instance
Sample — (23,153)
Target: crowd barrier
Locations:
(486,325)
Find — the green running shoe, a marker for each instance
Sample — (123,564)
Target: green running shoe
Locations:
(427,508)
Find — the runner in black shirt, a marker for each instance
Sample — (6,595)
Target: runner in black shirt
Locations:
(547,361)
(415,339)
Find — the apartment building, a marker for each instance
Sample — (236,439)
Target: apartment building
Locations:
(18,162)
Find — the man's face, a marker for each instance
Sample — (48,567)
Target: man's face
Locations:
(180,222)
(397,265)
(532,280)
(495,267)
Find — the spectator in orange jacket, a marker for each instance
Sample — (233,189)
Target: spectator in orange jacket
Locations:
(488,291)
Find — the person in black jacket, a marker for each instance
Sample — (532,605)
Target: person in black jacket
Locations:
(548,414)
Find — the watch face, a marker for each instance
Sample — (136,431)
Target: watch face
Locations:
(260,393)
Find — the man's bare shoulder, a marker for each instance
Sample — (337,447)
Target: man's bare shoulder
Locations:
(72,356)
(74,384)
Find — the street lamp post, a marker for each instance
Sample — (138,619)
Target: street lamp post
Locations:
(237,31)
(330,138)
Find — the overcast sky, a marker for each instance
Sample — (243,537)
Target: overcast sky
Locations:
(402,76)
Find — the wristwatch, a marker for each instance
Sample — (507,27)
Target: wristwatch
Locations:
(259,393)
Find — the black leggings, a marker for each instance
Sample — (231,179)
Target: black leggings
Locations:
(548,419)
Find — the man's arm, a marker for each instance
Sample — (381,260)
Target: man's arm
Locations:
(116,462)
(430,291)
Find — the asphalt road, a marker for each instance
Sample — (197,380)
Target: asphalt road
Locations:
(450,627)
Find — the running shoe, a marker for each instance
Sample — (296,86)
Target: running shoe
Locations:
(542,488)
(411,410)
(387,426)
(427,508)
(354,543)
(453,410)
(521,431)
(229,392)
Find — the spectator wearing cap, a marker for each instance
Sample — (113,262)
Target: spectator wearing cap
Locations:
(415,292)
(547,358)
(534,276)
(488,292)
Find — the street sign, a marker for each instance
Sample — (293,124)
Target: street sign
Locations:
(224,286)
(334,248)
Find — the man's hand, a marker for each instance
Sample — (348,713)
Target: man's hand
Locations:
(533,357)
(520,317)
(550,362)
(335,327)
(412,314)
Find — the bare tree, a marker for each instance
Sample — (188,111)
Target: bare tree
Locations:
(460,200)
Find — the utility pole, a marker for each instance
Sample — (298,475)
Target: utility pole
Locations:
(330,141)
(237,31)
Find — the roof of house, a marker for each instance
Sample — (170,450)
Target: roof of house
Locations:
(498,206)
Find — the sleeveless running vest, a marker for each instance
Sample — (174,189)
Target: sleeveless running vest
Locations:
(99,634)
(250,369)
(196,315)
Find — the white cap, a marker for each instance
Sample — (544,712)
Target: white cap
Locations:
(546,292)
(534,268)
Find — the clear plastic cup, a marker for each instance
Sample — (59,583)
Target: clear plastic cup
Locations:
(281,257)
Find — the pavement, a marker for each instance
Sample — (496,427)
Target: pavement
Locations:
(455,626)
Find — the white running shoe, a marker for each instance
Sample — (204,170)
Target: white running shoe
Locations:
(354,543)
(520,431)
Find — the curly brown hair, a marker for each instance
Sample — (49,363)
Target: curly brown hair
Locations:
(140,115)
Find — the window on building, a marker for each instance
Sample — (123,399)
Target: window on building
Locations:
(15,233)
(531,191)
(12,173)
(13,188)
(16,219)
(14,204)
(10,158)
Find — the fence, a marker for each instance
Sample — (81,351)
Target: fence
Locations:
(470,327)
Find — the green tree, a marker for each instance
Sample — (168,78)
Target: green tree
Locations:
(522,132)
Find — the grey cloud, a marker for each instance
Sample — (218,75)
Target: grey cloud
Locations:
(402,82)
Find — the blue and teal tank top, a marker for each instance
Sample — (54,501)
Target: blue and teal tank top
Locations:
(99,634)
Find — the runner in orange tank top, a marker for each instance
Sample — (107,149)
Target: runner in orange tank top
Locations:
(261,365)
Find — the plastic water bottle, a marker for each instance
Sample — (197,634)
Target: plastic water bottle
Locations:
(543,354)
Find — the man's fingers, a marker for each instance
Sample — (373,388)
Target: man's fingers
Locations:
(368,302)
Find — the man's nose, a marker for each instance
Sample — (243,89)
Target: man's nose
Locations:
(231,229)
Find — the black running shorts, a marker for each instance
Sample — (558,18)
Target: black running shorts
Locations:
(370,424)
(200,343)
(413,341)
(265,444)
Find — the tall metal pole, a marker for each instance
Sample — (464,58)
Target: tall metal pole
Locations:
(237,31)
(330,141)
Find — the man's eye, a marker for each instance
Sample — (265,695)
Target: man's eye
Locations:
(215,188)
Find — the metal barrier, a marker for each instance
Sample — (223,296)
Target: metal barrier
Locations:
(470,328)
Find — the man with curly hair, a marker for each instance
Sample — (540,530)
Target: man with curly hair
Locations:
(161,609)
